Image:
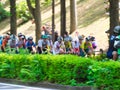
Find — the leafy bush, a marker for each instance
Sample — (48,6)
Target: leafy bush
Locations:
(105,75)
(62,69)
(3,13)
(23,11)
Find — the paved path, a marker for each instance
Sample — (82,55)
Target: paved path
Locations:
(4,86)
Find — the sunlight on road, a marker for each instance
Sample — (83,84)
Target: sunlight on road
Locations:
(4,86)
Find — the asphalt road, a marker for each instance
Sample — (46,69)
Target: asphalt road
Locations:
(5,86)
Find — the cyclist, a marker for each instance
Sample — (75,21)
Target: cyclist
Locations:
(59,47)
(30,45)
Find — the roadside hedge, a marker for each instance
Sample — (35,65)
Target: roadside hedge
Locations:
(61,69)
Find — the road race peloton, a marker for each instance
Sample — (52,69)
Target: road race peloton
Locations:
(20,43)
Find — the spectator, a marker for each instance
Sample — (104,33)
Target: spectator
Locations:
(56,35)
(112,50)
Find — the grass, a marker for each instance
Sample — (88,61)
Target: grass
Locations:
(85,17)
(4,23)
(91,14)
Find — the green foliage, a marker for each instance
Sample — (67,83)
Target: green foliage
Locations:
(62,69)
(105,75)
(23,11)
(3,13)
(47,2)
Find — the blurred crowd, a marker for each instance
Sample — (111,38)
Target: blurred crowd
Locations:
(80,45)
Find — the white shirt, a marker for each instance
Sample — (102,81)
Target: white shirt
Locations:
(76,45)
(57,46)
(40,42)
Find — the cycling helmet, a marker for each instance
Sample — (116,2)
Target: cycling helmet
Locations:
(66,39)
(50,37)
(19,34)
(92,38)
(87,38)
(60,38)
(30,38)
(12,37)
(44,36)
(70,38)
(117,29)
(80,37)
(1,37)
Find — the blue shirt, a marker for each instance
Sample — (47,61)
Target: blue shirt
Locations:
(28,44)
(0,42)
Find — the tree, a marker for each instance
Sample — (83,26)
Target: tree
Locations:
(35,11)
(73,16)
(53,19)
(63,17)
(13,17)
(114,15)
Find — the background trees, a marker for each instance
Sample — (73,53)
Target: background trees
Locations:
(114,14)
(13,17)
(35,11)
(73,16)
(114,20)
(63,16)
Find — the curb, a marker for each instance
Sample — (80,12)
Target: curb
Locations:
(46,85)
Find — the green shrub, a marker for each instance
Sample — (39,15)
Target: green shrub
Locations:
(63,69)
(3,13)
(105,75)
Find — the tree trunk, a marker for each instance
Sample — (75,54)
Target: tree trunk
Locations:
(63,17)
(53,20)
(13,17)
(114,14)
(73,16)
(37,17)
